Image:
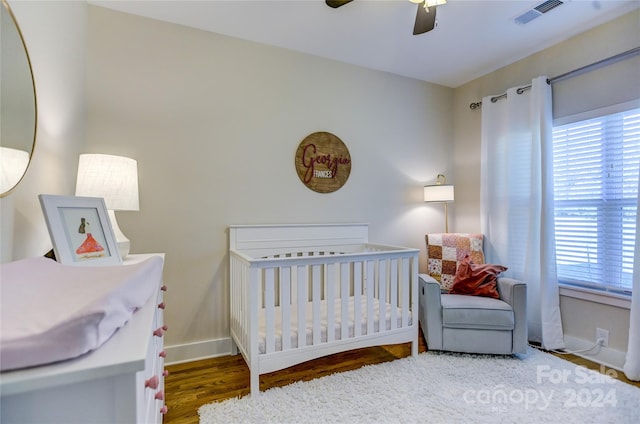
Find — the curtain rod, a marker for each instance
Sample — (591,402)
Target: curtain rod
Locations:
(608,61)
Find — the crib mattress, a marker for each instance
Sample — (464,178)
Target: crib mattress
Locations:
(52,312)
(324,330)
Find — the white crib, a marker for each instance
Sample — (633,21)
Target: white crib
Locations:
(300,292)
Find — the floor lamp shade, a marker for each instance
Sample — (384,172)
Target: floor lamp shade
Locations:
(440,193)
(114,178)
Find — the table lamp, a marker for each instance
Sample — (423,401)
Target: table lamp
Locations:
(114,178)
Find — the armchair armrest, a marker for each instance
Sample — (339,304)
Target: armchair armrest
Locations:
(430,311)
(510,289)
(514,292)
(431,289)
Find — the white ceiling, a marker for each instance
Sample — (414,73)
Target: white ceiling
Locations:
(473,37)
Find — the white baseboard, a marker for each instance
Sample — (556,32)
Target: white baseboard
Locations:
(195,351)
(606,356)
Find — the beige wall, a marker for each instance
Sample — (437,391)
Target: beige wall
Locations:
(55,35)
(214,123)
(609,85)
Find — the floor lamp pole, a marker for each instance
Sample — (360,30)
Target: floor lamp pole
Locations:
(446,219)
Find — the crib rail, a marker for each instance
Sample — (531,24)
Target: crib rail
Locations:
(320,297)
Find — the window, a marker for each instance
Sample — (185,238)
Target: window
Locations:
(595,166)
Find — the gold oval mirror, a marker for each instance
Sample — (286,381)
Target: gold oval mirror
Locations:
(18,111)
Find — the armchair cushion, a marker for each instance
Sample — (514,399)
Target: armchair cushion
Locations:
(446,250)
(476,312)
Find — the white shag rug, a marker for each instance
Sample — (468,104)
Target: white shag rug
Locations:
(444,388)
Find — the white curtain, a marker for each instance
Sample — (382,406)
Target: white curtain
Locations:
(517,201)
(632,362)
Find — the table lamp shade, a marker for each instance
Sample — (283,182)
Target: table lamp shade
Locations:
(114,178)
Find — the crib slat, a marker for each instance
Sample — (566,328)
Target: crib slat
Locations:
(370,281)
(243,307)
(303,288)
(406,276)
(236,299)
(330,301)
(285,306)
(382,295)
(393,293)
(316,282)
(412,284)
(269,309)
(241,301)
(357,298)
(233,304)
(252,294)
(344,300)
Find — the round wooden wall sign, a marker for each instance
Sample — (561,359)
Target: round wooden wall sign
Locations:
(323,162)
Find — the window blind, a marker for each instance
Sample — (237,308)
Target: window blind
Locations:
(595,167)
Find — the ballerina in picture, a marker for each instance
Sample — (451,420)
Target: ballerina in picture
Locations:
(90,248)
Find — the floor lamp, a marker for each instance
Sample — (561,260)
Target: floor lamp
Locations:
(440,192)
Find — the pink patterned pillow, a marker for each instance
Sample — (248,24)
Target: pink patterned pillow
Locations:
(445,251)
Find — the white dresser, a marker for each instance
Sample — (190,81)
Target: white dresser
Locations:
(121,382)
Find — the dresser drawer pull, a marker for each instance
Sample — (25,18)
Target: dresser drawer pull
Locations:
(158,332)
(163,288)
(164,409)
(161,305)
(153,382)
(162,354)
(159,395)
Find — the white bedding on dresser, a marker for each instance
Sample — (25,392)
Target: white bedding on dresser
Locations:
(51,312)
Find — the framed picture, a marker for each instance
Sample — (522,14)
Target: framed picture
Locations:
(80,230)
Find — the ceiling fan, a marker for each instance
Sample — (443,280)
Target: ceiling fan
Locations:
(425,17)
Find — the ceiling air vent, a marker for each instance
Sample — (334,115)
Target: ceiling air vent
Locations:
(537,11)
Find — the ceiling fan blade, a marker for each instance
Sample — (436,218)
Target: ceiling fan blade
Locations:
(425,21)
(337,3)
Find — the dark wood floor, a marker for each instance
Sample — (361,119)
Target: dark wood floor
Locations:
(191,385)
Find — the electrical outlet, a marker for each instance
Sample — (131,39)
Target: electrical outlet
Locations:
(602,336)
